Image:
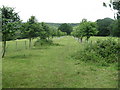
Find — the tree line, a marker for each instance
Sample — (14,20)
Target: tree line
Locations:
(13,28)
(105,27)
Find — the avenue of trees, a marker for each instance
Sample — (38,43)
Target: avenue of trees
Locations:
(13,28)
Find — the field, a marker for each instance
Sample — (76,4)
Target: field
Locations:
(53,67)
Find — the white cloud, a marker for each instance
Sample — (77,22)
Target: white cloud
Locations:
(60,10)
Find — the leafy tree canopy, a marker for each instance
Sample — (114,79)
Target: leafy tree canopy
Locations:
(103,26)
(85,29)
(66,28)
(10,20)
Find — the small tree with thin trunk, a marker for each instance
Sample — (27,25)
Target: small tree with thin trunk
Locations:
(29,29)
(78,33)
(10,23)
(85,29)
(88,28)
(43,31)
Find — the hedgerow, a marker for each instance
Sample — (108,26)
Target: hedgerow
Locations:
(101,51)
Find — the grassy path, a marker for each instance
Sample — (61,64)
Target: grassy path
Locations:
(53,67)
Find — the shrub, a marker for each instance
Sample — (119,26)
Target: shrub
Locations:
(102,51)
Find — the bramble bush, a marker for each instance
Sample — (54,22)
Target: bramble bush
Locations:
(101,51)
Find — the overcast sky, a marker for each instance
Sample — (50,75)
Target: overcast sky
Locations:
(61,11)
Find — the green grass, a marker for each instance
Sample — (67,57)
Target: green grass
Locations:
(53,67)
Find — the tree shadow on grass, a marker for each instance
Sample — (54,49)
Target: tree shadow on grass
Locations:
(40,47)
(22,56)
(19,56)
(56,44)
(45,46)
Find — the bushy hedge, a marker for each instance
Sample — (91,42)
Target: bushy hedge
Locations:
(102,51)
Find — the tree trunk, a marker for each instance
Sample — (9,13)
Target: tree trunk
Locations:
(87,38)
(25,45)
(30,39)
(4,48)
(48,38)
(78,39)
(81,40)
(16,45)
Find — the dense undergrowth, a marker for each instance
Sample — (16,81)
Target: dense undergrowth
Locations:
(103,52)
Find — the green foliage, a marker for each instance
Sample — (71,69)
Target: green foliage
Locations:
(10,23)
(66,28)
(85,29)
(55,32)
(89,29)
(115,29)
(78,32)
(58,24)
(60,33)
(102,51)
(103,26)
(45,31)
(30,28)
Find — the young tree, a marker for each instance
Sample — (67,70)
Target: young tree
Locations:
(44,31)
(30,29)
(89,29)
(10,23)
(78,32)
(53,31)
(114,29)
(85,29)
